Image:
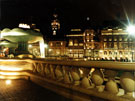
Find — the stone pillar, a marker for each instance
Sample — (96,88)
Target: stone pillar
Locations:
(47,71)
(84,74)
(66,73)
(97,79)
(52,71)
(59,73)
(75,75)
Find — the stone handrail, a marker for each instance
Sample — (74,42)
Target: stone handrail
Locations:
(102,79)
(79,80)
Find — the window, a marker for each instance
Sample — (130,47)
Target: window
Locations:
(110,39)
(70,42)
(80,44)
(120,52)
(120,45)
(120,39)
(75,42)
(125,39)
(115,39)
(110,45)
(110,52)
(105,45)
(105,52)
(115,45)
(51,44)
(105,39)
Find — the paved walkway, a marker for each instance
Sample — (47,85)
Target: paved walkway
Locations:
(22,90)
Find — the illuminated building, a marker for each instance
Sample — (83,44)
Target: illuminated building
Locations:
(82,44)
(117,44)
(75,44)
(57,49)
(55,24)
(91,44)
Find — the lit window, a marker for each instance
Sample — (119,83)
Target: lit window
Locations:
(105,45)
(80,44)
(110,45)
(110,39)
(75,42)
(120,45)
(120,39)
(115,39)
(51,44)
(109,29)
(125,39)
(70,42)
(105,39)
(115,44)
(120,29)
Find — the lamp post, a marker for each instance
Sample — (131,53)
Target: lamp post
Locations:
(131,31)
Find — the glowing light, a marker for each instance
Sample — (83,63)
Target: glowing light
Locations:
(109,29)
(10,68)
(133,94)
(50,50)
(42,49)
(9,73)
(101,51)
(21,25)
(131,29)
(54,32)
(9,77)
(81,72)
(8,82)
(30,46)
(45,45)
(85,59)
(92,70)
(75,29)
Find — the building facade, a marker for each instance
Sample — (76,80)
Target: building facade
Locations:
(117,44)
(109,44)
(82,44)
(57,49)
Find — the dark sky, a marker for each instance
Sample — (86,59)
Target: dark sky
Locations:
(71,12)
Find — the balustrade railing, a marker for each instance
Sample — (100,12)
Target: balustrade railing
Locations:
(107,80)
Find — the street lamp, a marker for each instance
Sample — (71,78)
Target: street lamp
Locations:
(131,29)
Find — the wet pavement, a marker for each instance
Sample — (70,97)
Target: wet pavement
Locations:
(23,90)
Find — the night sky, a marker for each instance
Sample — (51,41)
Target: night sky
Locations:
(71,13)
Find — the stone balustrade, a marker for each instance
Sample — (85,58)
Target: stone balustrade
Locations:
(82,80)
(106,80)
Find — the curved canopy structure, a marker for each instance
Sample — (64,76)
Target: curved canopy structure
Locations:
(8,44)
(22,37)
(18,34)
